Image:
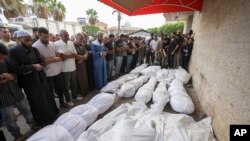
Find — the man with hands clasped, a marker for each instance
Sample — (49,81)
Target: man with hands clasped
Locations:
(27,63)
(52,61)
(68,54)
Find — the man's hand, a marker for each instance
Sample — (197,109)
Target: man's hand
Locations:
(57,59)
(104,54)
(38,67)
(85,56)
(28,72)
(75,55)
(8,76)
(80,61)
(3,81)
(172,53)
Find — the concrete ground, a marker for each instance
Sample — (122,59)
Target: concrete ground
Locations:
(197,115)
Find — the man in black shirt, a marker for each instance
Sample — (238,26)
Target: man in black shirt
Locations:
(26,62)
(173,48)
(186,53)
(109,46)
(148,50)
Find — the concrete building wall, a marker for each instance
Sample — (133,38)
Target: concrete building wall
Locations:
(220,62)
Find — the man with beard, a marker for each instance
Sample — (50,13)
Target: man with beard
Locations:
(99,62)
(89,63)
(81,69)
(52,61)
(27,63)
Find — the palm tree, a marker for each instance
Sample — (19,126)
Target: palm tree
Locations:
(41,8)
(13,8)
(119,17)
(92,16)
(57,10)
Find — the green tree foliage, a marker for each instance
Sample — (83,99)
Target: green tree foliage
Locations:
(153,30)
(167,29)
(47,8)
(92,16)
(13,8)
(57,9)
(90,29)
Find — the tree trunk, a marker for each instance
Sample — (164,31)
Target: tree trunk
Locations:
(119,23)
(92,21)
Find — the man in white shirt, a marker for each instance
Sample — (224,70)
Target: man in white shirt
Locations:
(68,66)
(6,37)
(52,63)
(154,45)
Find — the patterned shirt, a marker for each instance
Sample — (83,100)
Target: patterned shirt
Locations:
(8,94)
(81,50)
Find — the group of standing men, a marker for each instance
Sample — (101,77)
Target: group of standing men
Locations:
(40,68)
(170,51)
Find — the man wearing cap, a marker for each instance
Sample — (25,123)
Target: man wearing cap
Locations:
(6,37)
(27,63)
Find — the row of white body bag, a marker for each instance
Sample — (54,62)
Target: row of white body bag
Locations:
(137,122)
(71,125)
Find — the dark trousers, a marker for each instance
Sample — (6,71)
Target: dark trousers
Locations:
(185,62)
(2,137)
(124,64)
(70,83)
(89,66)
(56,84)
(134,61)
(148,53)
(170,60)
(152,55)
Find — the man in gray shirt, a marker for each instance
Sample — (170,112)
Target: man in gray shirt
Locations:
(120,48)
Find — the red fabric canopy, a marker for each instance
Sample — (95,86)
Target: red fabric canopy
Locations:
(154,6)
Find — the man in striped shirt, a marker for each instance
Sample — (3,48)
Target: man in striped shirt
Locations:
(11,94)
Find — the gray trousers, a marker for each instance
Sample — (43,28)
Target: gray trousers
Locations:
(70,83)
(118,64)
(9,119)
